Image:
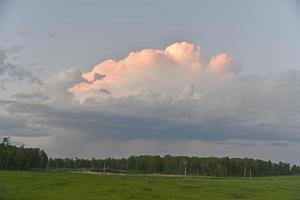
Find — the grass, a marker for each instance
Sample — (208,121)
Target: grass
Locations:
(16,185)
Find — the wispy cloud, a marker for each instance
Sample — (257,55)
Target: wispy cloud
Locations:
(30,96)
(11,71)
(51,35)
(23,33)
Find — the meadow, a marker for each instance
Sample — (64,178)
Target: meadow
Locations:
(27,185)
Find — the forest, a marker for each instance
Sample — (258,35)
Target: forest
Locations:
(179,165)
(21,158)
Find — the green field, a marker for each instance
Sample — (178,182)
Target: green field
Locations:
(66,185)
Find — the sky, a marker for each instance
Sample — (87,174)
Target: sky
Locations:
(118,78)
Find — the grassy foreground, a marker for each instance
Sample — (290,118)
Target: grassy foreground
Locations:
(65,185)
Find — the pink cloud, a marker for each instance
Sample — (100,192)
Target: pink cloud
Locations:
(149,70)
(222,63)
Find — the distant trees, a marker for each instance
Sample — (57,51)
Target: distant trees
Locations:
(21,158)
(210,166)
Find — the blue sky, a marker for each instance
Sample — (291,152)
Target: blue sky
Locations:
(261,36)
(231,89)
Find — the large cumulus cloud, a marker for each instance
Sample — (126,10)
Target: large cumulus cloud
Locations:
(164,96)
(151,71)
(177,84)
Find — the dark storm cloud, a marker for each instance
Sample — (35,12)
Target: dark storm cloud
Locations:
(100,125)
(17,127)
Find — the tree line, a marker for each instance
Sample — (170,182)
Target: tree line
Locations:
(180,165)
(21,158)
